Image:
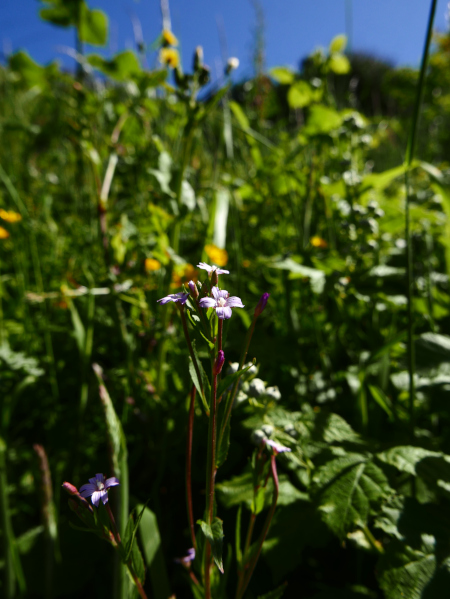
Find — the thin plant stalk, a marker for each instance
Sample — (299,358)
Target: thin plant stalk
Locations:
(409,156)
(244,581)
(189,467)
(190,348)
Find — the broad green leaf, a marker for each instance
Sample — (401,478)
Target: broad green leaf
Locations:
(214,534)
(407,573)
(322,120)
(406,457)
(153,555)
(339,64)
(31,72)
(282,75)
(347,490)
(338,44)
(93,28)
(299,94)
(138,563)
(122,67)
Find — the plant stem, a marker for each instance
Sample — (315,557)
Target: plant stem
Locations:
(210,476)
(244,581)
(408,161)
(188,468)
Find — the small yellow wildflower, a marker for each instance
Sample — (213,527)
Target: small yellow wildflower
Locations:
(318,242)
(3,233)
(168,38)
(217,256)
(9,216)
(169,57)
(151,264)
(183,273)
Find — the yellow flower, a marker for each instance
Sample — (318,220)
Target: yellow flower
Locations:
(318,242)
(3,233)
(168,38)
(217,256)
(10,216)
(151,264)
(170,57)
(183,273)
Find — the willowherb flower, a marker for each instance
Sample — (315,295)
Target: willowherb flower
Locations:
(211,269)
(187,559)
(193,288)
(174,297)
(222,302)
(277,447)
(97,488)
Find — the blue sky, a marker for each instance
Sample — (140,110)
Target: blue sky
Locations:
(389,29)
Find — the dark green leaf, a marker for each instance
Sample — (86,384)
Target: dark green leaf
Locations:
(122,67)
(214,534)
(153,556)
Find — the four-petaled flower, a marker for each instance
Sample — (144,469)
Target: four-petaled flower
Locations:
(211,269)
(174,297)
(97,488)
(222,302)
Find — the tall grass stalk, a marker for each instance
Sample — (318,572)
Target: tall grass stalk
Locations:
(409,156)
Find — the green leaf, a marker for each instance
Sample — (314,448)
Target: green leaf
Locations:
(93,28)
(322,120)
(132,528)
(382,400)
(121,68)
(339,64)
(275,594)
(407,573)
(347,489)
(239,115)
(153,556)
(299,94)
(214,534)
(138,563)
(406,457)
(338,44)
(31,72)
(282,75)
(206,386)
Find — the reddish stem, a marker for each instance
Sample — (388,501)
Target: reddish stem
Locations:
(189,466)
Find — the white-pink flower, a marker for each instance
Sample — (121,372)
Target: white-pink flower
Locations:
(211,269)
(277,447)
(222,302)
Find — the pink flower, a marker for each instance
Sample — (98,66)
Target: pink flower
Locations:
(174,297)
(211,269)
(277,447)
(222,302)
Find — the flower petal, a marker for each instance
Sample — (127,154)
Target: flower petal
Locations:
(223,293)
(216,293)
(104,497)
(224,312)
(96,497)
(100,478)
(165,300)
(234,302)
(207,302)
(222,271)
(111,482)
(205,266)
(87,490)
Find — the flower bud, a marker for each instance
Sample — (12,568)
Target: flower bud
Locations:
(193,289)
(261,304)
(70,488)
(219,362)
(198,58)
(214,278)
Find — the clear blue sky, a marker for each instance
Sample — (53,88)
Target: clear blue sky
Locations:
(389,29)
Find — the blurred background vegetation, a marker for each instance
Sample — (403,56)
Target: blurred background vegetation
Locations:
(115,181)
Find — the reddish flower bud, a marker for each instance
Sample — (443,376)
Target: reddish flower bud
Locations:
(193,289)
(261,304)
(219,362)
(70,488)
